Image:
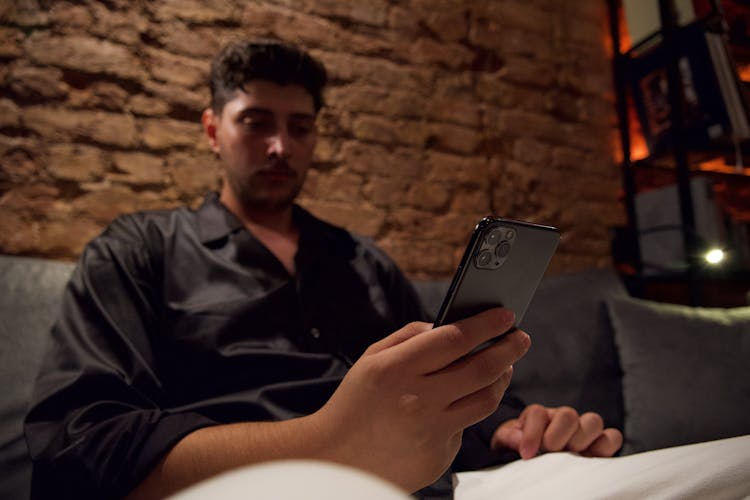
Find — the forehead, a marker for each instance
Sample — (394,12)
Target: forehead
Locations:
(289,99)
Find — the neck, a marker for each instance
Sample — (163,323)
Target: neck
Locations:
(277,220)
(274,228)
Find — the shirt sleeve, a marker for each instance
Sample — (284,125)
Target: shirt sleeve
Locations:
(98,422)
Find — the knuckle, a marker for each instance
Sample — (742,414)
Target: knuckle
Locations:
(567,414)
(453,335)
(593,421)
(490,400)
(535,408)
(377,369)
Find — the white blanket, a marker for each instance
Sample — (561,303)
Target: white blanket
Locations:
(712,470)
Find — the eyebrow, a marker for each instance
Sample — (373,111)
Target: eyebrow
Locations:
(266,111)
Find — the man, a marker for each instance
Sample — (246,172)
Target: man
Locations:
(193,342)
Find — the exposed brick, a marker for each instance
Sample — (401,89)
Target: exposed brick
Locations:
(431,196)
(339,186)
(34,82)
(76,162)
(379,100)
(371,128)
(28,14)
(164,133)
(64,239)
(521,14)
(455,169)
(102,95)
(527,71)
(177,70)
(32,200)
(532,152)
(98,126)
(194,100)
(195,11)
(446,19)
(376,160)
(65,15)
(373,12)
(141,104)
(177,37)
(403,20)
(103,205)
(454,138)
(17,162)
(84,54)
(124,26)
(10,42)
(450,55)
(440,111)
(9,114)
(193,176)
(138,168)
(387,191)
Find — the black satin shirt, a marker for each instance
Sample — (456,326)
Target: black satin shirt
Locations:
(176,320)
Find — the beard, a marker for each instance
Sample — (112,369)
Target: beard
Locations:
(274,187)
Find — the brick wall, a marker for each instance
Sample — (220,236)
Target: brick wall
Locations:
(440,111)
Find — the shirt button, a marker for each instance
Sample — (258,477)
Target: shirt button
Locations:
(315,333)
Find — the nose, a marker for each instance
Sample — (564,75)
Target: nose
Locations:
(279,144)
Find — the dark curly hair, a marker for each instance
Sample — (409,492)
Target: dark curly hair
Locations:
(240,62)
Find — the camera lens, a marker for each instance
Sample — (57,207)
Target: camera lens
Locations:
(510,234)
(484,258)
(494,236)
(503,249)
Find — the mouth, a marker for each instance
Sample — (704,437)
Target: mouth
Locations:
(277,172)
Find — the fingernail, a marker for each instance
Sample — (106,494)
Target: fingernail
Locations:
(509,316)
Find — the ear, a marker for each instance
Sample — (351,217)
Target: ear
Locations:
(210,122)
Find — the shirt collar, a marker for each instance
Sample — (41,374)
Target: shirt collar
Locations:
(215,221)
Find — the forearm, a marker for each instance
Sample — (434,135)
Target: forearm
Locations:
(213,450)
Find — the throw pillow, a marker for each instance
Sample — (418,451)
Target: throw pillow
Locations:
(686,372)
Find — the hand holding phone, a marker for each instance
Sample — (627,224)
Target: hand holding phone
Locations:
(502,266)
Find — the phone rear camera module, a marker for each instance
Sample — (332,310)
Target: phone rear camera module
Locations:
(494,236)
(502,250)
(484,259)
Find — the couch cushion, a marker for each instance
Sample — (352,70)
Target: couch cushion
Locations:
(30,293)
(572,360)
(686,372)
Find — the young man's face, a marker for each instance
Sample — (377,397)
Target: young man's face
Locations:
(265,136)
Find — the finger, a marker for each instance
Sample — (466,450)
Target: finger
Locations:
(410,330)
(444,345)
(606,445)
(508,435)
(477,406)
(563,426)
(534,421)
(590,428)
(473,372)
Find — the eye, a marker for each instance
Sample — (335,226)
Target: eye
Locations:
(258,124)
(301,130)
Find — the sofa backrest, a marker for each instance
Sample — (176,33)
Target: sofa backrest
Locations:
(30,293)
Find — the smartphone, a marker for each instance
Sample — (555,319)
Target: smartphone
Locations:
(502,265)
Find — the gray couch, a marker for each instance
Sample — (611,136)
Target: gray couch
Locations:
(584,328)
